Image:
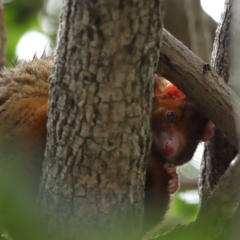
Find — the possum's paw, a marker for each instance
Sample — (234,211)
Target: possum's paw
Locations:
(173,183)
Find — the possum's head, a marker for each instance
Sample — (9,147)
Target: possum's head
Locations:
(177,124)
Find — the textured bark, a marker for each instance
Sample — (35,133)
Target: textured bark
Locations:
(199,82)
(233,8)
(218,151)
(98,130)
(216,211)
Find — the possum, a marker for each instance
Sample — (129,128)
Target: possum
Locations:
(176,122)
(177,127)
(23,115)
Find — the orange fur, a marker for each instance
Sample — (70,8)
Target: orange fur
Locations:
(188,129)
(23,116)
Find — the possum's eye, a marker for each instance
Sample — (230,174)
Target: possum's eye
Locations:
(171,117)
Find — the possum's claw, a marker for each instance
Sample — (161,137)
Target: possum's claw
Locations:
(173,183)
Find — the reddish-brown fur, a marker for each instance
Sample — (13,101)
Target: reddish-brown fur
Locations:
(189,128)
(23,115)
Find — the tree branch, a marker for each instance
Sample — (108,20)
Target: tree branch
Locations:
(217,210)
(222,205)
(218,152)
(199,82)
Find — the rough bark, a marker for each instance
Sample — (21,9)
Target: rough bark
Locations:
(218,152)
(199,82)
(231,231)
(98,130)
(216,211)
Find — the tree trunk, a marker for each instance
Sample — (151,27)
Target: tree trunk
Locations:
(98,127)
(218,151)
(231,39)
(200,83)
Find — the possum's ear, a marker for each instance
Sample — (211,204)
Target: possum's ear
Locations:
(164,89)
(208,132)
(160,86)
(172,91)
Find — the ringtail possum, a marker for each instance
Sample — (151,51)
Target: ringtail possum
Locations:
(177,128)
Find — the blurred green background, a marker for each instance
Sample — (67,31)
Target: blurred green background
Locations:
(26,16)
